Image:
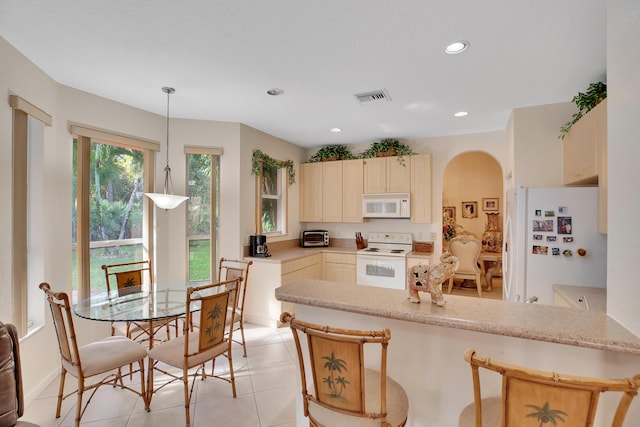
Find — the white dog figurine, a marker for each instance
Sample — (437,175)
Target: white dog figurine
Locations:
(428,278)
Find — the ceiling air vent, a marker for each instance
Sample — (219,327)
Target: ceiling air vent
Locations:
(377,95)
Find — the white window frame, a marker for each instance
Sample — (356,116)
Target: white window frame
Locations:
(281,196)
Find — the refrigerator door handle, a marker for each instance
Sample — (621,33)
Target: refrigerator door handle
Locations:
(507,262)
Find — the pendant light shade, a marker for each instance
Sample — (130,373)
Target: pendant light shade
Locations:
(167,200)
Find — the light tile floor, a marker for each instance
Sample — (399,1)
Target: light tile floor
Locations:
(265,383)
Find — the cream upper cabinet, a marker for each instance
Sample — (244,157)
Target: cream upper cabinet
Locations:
(375,175)
(603,184)
(585,156)
(421,188)
(352,185)
(387,175)
(311,192)
(332,191)
(581,147)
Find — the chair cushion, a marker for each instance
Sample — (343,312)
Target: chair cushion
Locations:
(397,405)
(172,352)
(105,355)
(491,413)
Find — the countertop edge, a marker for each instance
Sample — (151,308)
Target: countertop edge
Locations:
(577,327)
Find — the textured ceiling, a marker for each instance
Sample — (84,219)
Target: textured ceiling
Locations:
(222,57)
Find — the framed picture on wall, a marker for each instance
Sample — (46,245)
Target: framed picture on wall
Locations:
(449,212)
(469,209)
(490,204)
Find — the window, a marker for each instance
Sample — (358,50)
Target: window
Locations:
(109,214)
(28,214)
(203,171)
(273,200)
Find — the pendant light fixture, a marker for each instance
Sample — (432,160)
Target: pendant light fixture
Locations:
(167,200)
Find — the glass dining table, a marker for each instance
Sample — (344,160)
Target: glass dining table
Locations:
(147,303)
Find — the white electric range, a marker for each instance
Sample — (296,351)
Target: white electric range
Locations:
(384,262)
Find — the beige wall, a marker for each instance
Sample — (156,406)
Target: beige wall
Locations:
(470,177)
(623,105)
(534,147)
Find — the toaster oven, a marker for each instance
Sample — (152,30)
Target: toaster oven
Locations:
(314,238)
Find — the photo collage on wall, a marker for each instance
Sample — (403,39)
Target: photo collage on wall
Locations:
(552,232)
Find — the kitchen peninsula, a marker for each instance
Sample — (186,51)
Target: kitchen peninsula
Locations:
(428,342)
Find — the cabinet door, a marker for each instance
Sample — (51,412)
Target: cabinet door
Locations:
(339,267)
(398,174)
(311,192)
(375,175)
(341,273)
(421,188)
(352,184)
(603,181)
(580,149)
(332,191)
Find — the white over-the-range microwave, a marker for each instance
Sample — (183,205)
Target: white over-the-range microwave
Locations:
(386,205)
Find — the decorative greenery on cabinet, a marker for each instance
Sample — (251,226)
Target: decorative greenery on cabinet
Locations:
(259,158)
(331,153)
(596,92)
(388,147)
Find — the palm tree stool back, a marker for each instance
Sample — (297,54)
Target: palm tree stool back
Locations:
(539,398)
(340,391)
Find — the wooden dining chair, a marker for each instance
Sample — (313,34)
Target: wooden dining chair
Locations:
(339,390)
(197,346)
(539,397)
(127,278)
(467,250)
(97,358)
(229,269)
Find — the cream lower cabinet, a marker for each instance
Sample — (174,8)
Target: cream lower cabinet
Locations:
(339,267)
(261,306)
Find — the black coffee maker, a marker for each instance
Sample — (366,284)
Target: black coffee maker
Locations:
(258,246)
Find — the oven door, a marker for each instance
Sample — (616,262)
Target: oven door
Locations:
(381,271)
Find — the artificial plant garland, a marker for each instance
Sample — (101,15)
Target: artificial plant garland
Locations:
(259,158)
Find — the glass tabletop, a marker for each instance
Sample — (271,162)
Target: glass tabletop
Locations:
(140,303)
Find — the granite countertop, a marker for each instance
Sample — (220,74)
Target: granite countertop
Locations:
(596,297)
(561,325)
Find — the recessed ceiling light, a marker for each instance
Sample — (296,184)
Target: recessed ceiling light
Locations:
(461,114)
(335,130)
(457,47)
(275,91)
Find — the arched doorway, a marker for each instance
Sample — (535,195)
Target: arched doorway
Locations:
(472,202)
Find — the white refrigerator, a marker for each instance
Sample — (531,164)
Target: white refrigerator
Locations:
(551,237)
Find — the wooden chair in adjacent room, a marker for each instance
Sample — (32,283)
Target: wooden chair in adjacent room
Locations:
(90,360)
(339,390)
(200,345)
(467,250)
(540,397)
